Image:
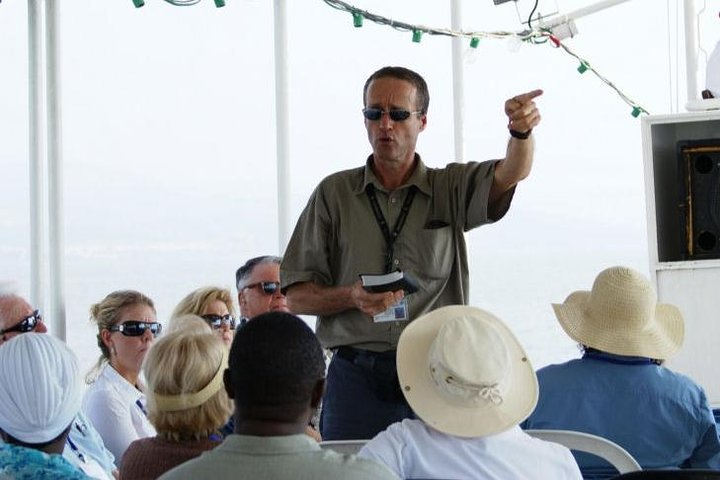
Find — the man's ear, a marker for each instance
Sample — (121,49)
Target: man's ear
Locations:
(242,303)
(423,119)
(317,393)
(228,384)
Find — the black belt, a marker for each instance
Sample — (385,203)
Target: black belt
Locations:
(379,369)
(351,353)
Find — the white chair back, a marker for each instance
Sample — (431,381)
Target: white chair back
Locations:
(344,446)
(613,453)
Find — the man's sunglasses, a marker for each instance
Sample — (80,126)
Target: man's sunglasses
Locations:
(268,288)
(135,328)
(395,115)
(217,321)
(27,324)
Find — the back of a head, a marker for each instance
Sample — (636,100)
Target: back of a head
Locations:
(40,388)
(189,323)
(184,381)
(275,362)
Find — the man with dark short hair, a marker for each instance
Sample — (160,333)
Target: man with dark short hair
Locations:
(258,287)
(276,377)
(393,213)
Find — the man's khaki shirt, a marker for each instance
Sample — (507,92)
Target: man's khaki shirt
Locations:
(337,238)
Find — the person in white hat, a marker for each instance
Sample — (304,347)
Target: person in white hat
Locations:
(619,389)
(40,394)
(470,382)
(83,448)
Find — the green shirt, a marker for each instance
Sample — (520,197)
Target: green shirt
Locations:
(291,457)
(337,238)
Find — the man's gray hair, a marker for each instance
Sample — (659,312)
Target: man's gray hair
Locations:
(243,273)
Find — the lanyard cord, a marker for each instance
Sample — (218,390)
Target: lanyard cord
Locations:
(382,223)
(76,450)
(141,407)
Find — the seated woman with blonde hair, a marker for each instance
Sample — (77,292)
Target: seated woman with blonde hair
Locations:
(186,402)
(214,305)
(115,401)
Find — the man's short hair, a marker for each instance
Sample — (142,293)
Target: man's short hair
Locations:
(243,273)
(402,73)
(275,363)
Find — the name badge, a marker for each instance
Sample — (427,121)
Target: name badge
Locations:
(397,312)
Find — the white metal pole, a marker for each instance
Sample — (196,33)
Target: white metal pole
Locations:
(458,76)
(691,50)
(580,12)
(55,171)
(282,124)
(36,155)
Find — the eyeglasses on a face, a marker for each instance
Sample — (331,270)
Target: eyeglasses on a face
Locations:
(395,115)
(268,288)
(25,325)
(136,328)
(217,321)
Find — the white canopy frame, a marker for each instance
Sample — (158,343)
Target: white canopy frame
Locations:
(45,121)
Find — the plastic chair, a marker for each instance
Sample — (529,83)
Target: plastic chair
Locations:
(688,474)
(344,446)
(610,451)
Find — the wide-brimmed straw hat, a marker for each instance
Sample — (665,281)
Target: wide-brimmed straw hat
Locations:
(621,315)
(464,373)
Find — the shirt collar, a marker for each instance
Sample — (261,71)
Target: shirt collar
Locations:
(253,445)
(418,178)
(126,390)
(619,359)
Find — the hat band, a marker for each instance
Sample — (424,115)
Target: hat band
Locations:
(464,391)
(183,401)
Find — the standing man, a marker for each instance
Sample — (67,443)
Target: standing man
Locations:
(258,286)
(393,213)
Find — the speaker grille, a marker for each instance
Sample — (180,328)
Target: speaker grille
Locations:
(700,198)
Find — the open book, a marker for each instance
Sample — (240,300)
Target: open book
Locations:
(389,282)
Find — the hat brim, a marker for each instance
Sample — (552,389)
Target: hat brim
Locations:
(433,408)
(660,339)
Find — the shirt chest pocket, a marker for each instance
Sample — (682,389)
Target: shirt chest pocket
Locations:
(432,251)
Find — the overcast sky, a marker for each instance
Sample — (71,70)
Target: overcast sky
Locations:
(169,144)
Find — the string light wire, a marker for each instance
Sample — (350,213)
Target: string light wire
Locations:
(531,35)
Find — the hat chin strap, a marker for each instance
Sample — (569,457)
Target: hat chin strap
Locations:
(461,392)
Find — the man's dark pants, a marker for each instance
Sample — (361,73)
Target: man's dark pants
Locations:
(363,395)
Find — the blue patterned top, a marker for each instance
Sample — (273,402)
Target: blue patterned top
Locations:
(22,463)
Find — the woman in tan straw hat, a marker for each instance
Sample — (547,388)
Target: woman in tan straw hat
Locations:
(470,382)
(619,389)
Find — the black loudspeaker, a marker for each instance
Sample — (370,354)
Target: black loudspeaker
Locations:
(699,166)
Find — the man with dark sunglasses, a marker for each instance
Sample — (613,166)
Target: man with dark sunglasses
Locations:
(17,316)
(83,447)
(393,213)
(258,286)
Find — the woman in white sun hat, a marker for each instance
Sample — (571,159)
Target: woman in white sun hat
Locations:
(619,389)
(40,395)
(470,382)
